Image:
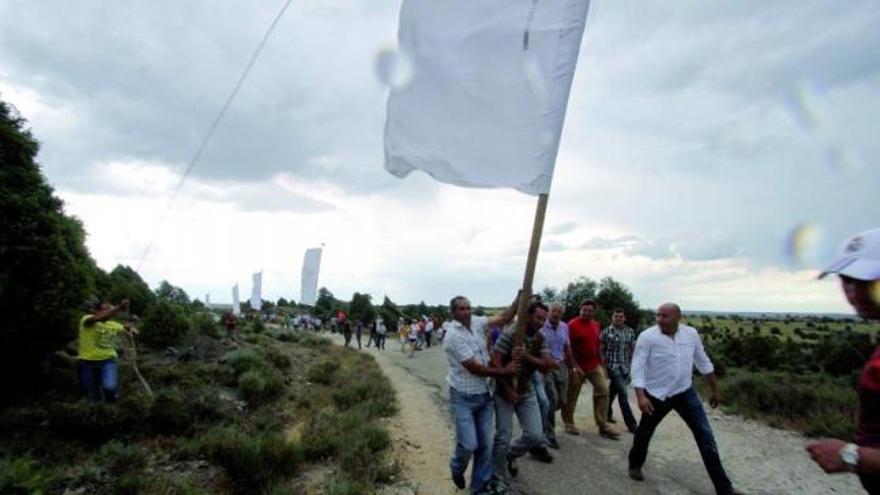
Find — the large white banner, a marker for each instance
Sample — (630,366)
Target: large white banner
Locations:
(256,292)
(236,303)
(309,280)
(489,88)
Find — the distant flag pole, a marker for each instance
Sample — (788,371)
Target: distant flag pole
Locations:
(309,278)
(486,101)
(236,304)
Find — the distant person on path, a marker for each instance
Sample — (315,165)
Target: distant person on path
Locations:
(522,400)
(470,397)
(662,367)
(346,331)
(358,331)
(616,343)
(429,331)
(584,337)
(556,380)
(98,370)
(414,332)
(858,267)
(381,332)
(231,324)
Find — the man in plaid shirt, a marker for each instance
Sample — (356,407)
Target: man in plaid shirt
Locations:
(616,344)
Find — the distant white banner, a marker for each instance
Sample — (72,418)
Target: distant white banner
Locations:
(486,100)
(207,299)
(236,303)
(309,279)
(257,291)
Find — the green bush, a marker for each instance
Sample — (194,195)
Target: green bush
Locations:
(250,460)
(96,423)
(26,475)
(258,386)
(813,403)
(245,359)
(203,323)
(119,458)
(164,324)
(257,325)
(322,372)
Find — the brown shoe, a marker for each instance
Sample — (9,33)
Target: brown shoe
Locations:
(610,433)
(572,429)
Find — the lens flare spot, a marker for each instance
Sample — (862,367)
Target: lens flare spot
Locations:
(805,245)
(394,68)
(874,291)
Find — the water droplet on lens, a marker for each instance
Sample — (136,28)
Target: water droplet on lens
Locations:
(394,68)
(805,246)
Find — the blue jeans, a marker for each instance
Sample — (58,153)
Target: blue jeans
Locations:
(617,381)
(472,415)
(97,377)
(688,405)
(543,400)
(529,416)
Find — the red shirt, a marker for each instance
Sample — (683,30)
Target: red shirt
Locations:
(584,337)
(868,428)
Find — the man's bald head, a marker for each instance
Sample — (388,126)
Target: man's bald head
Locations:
(668,316)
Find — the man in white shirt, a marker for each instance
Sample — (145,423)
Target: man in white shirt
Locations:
(662,366)
(469,394)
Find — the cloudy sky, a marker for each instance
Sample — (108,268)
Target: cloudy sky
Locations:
(714,153)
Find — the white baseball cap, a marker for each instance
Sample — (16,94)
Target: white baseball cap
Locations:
(859,257)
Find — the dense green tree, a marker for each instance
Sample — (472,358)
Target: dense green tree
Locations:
(46,272)
(172,293)
(389,312)
(165,323)
(361,308)
(325,303)
(613,295)
(282,303)
(125,283)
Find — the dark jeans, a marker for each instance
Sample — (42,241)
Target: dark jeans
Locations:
(99,377)
(688,405)
(618,388)
(380,341)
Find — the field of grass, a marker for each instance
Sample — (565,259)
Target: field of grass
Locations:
(274,413)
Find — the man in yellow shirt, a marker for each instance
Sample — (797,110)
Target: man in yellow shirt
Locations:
(97,353)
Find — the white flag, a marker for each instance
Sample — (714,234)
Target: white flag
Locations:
(256,292)
(489,87)
(236,304)
(207,299)
(309,280)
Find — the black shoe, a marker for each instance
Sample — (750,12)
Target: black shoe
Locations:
(553,444)
(612,420)
(636,474)
(512,467)
(542,455)
(458,479)
(632,429)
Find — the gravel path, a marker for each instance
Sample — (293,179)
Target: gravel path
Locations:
(759,459)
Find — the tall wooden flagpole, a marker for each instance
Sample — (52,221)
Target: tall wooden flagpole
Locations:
(534,246)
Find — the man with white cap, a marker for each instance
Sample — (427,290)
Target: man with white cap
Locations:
(858,267)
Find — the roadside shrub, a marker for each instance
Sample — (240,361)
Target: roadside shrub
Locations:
(26,475)
(257,325)
(277,358)
(322,436)
(259,385)
(164,324)
(245,359)
(360,456)
(250,460)
(97,423)
(322,372)
(118,458)
(203,323)
(170,411)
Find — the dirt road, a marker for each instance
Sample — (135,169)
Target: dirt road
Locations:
(759,459)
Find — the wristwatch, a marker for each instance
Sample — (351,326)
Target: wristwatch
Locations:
(849,454)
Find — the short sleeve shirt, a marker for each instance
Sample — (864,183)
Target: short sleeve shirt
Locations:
(536,345)
(462,344)
(584,336)
(556,339)
(95,341)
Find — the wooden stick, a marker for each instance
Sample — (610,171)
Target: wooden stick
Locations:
(526,294)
